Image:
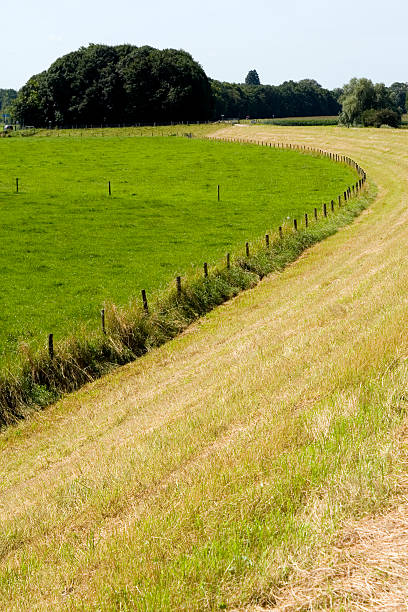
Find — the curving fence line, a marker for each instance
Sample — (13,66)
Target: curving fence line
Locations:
(129,333)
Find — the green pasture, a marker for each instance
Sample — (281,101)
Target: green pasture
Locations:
(67,246)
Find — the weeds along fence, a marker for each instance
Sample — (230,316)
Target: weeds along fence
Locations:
(127,333)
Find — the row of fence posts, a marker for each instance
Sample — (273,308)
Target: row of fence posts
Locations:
(347,195)
(110,189)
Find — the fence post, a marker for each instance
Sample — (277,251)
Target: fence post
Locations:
(295,224)
(267,240)
(51,345)
(247,249)
(306,220)
(332,205)
(280,232)
(144,299)
(178,282)
(315,213)
(16,185)
(103,321)
(109,188)
(205,269)
(218,192)
(228,261)
(325,210)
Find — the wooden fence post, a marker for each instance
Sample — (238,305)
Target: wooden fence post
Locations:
(51,345)
(144,299)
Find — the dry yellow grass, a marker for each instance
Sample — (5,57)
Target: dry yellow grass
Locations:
(204,474)
(366,570)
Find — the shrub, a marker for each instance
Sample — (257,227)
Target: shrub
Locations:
(377,118)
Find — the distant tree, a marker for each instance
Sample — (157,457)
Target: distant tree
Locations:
(358,96)
(337,92)
(292,99)
(361,95)
(377,118)
(6,98)
(398,93)
(121,84)
(252,78)
(32,105)
(164,85)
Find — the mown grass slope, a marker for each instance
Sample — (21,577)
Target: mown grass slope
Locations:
(199,476)
(69,246)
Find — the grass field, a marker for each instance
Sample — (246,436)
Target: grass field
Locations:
(219,469)
(69,246)
(301,121)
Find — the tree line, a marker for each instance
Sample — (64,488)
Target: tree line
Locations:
(116,84)
(102,84)
(7,97)
(305,98)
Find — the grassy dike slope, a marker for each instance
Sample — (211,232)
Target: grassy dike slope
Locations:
(200,476)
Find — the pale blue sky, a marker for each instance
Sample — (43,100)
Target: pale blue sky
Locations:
(327,41)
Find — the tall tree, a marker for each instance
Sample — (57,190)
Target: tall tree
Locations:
(360,96)
(252,78)
(398,92)
(122,84)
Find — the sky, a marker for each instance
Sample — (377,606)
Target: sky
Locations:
(330,42)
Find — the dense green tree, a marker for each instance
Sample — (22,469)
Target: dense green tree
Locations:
(33,104)
(290,99)
(252,78)
(360,96)
(7,96)
(337,92)
(377,118)
(164,85)
(122,84)
(398,93)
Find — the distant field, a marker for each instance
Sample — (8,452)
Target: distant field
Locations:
(300,121)
(68,246)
